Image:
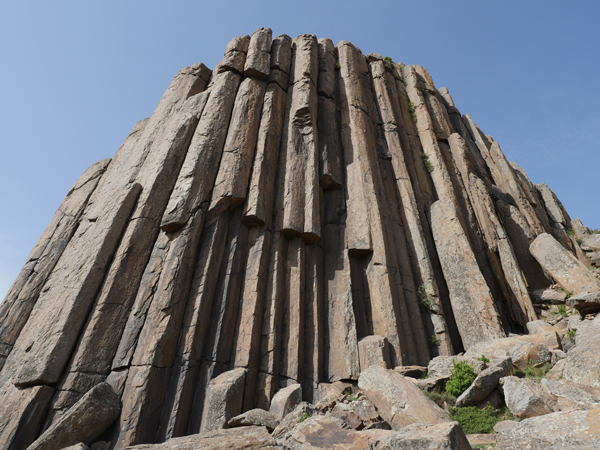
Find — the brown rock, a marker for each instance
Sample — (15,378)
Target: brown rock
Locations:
(235,55)
(258,60)
(397,400)
(581,231)
(582,364)
(567,270)
(525,398)
(84,422)
(285,401)
(585,303)
(223,399)
(373,351)
(255,417)
(551,296)
(442,436)
(591,243)
(281,57)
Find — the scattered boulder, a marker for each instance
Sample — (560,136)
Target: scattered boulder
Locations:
(285,400)
(223,399)
(485,383)
(431,384)
(582,364)
(591,243)
(560,264)
(374,351)
(321,432)
(398,401)
(525,398)
(581,231)
(84,421)
(303,411)
(565,395)
(552,296)
(556,373)
(573,430)
(411,371)
(442,436)
(541,327)
(588,303)
(258,417)
(246,438)
(80,446)
(441,366)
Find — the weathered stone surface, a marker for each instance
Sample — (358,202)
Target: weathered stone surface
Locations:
(485,383)
(246,438)
(441,366)
(443,436)
(281,57)
(23,294)
(285,401)
(582,364)
(254,417)
(563,395)
(525,398)
(548,296)
(581,231)
(398,400)
(223,399)
(473,306)
(411,371)
(373,351)
(572,275)
(585,303)
(591,243)
(80,446)
(320,432)
(84,422)
(258,60)
(235,55)
(576,430)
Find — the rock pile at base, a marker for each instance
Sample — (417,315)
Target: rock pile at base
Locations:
(298,216)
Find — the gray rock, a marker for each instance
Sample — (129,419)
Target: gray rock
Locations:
(373,351)
(591,243)
(582,364)
(485,383)
(258,417)
(585,303)
(223,399)
(80,446)
(566,395)
(525,398)
(84,422)
(574,430)
(443,436)
(285,400)
(547,296)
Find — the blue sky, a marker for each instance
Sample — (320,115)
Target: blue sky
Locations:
(76,76)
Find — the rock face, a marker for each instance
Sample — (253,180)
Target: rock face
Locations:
(295,216)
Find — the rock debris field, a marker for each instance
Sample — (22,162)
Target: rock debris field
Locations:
(301,249)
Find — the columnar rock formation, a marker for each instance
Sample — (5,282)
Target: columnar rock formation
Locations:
(269,215)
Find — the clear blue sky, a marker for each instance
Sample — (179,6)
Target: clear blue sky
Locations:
(76,76)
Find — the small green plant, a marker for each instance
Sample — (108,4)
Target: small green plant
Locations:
(411,110)
(427,163)
(441,399)
(569,295)
(387,58)
(482,358)
(337,66)
(404,83)
(534,373)
(433,341)
(562,309)
(579,241)
(559,288)
(425,299)
(478,421)
(461,378)
(572,334)
(595,231)
(304,417)
(570,233)
(424,90)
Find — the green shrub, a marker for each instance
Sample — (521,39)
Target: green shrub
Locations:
(482,358)
(572,334)
(425,299)
(411,110)
(562,309)
(595,231)
(304,417)
(570,233)
(442,399)
(534,373)
(461,378)
(427,163)
(477,421)
(433,341)
(387,58)
(569,295)
(337,66)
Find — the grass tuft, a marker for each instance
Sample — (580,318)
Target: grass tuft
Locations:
(479,421)
(427,163)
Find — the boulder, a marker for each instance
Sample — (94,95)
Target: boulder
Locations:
(582,364)
(298,415)
(485,383)
(566,395)
(84,421)
(525,398)
(80,446)
(556,373)
(373,351)
(411,371)
(585,303)
(321,432)
(285,400)
(570,273)
(441,366)
(246,438)
(223,399)
(573,430)
(257,417)
(541,327)
(581,231)
(398,401)
(591,243)
(521,349)
(547,296)
(443,436)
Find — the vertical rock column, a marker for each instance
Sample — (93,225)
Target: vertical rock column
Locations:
(389,108)
(24,292)
(152,341)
